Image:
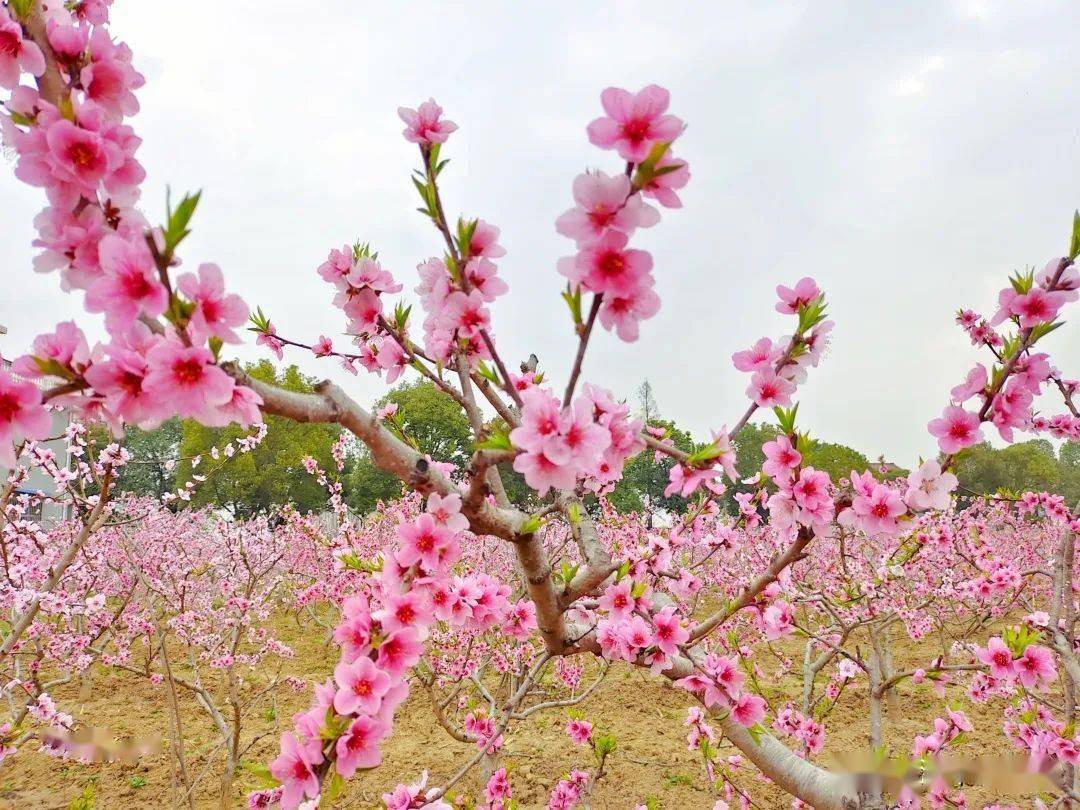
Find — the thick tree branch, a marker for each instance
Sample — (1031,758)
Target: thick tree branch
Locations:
(329,404)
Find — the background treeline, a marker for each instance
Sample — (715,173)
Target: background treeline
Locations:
(273,474)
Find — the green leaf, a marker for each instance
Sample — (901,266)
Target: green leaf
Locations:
(22,8)
(603,744)
(260,772)
(332,788)
(433,155)
(260,322)
(334,725)
(660,171)
(1041,330)
(1009,346)
(67,107)
(785,418)
(531,525)
(498,440)
(84,801)
(427,194)
(573,301)
(574,513)
(362,250)
(707,749)
(755,732)
(1074,242)
(176,229)
(567,572)
(1022,282)
(811,314)
(354,562)
(704,455)
(1017,639)
(488,373)
(647,170)
(465,233)
(52,368)
(401,315)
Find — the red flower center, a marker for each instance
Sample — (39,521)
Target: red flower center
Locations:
(136,285)
(611,263)
(188,371)
(82,154)
(211,310)
(425,542)
(300,770)
(10,43)
(601,216)
(958,430)
(471,318)
(574,436)
(636,130)
(9,406)
(131,383)
(357,740)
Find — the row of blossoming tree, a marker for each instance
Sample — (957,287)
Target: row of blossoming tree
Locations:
(492,609)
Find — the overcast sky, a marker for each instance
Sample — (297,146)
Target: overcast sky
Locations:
(907,155)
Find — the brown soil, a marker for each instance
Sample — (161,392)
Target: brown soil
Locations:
(644,713)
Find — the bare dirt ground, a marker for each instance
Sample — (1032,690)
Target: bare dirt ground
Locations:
(644,713)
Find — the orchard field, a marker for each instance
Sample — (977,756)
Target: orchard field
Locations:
(231,584)
(652,761)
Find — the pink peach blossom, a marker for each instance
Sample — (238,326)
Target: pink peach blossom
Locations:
(187,379)
(608,266)
(358,747)
(129,286)
(425,124)
(361,686)
(17,54)
(604,203)
(634,122)
(956,429)
(216,314)
(805,291)
(22,416)
(295,769)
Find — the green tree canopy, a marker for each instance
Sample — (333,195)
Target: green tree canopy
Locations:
(433,420)
(427,416)
(838,460)
(644,478)
(1069,464)
(271,475)
(1031,465)
(153,454)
